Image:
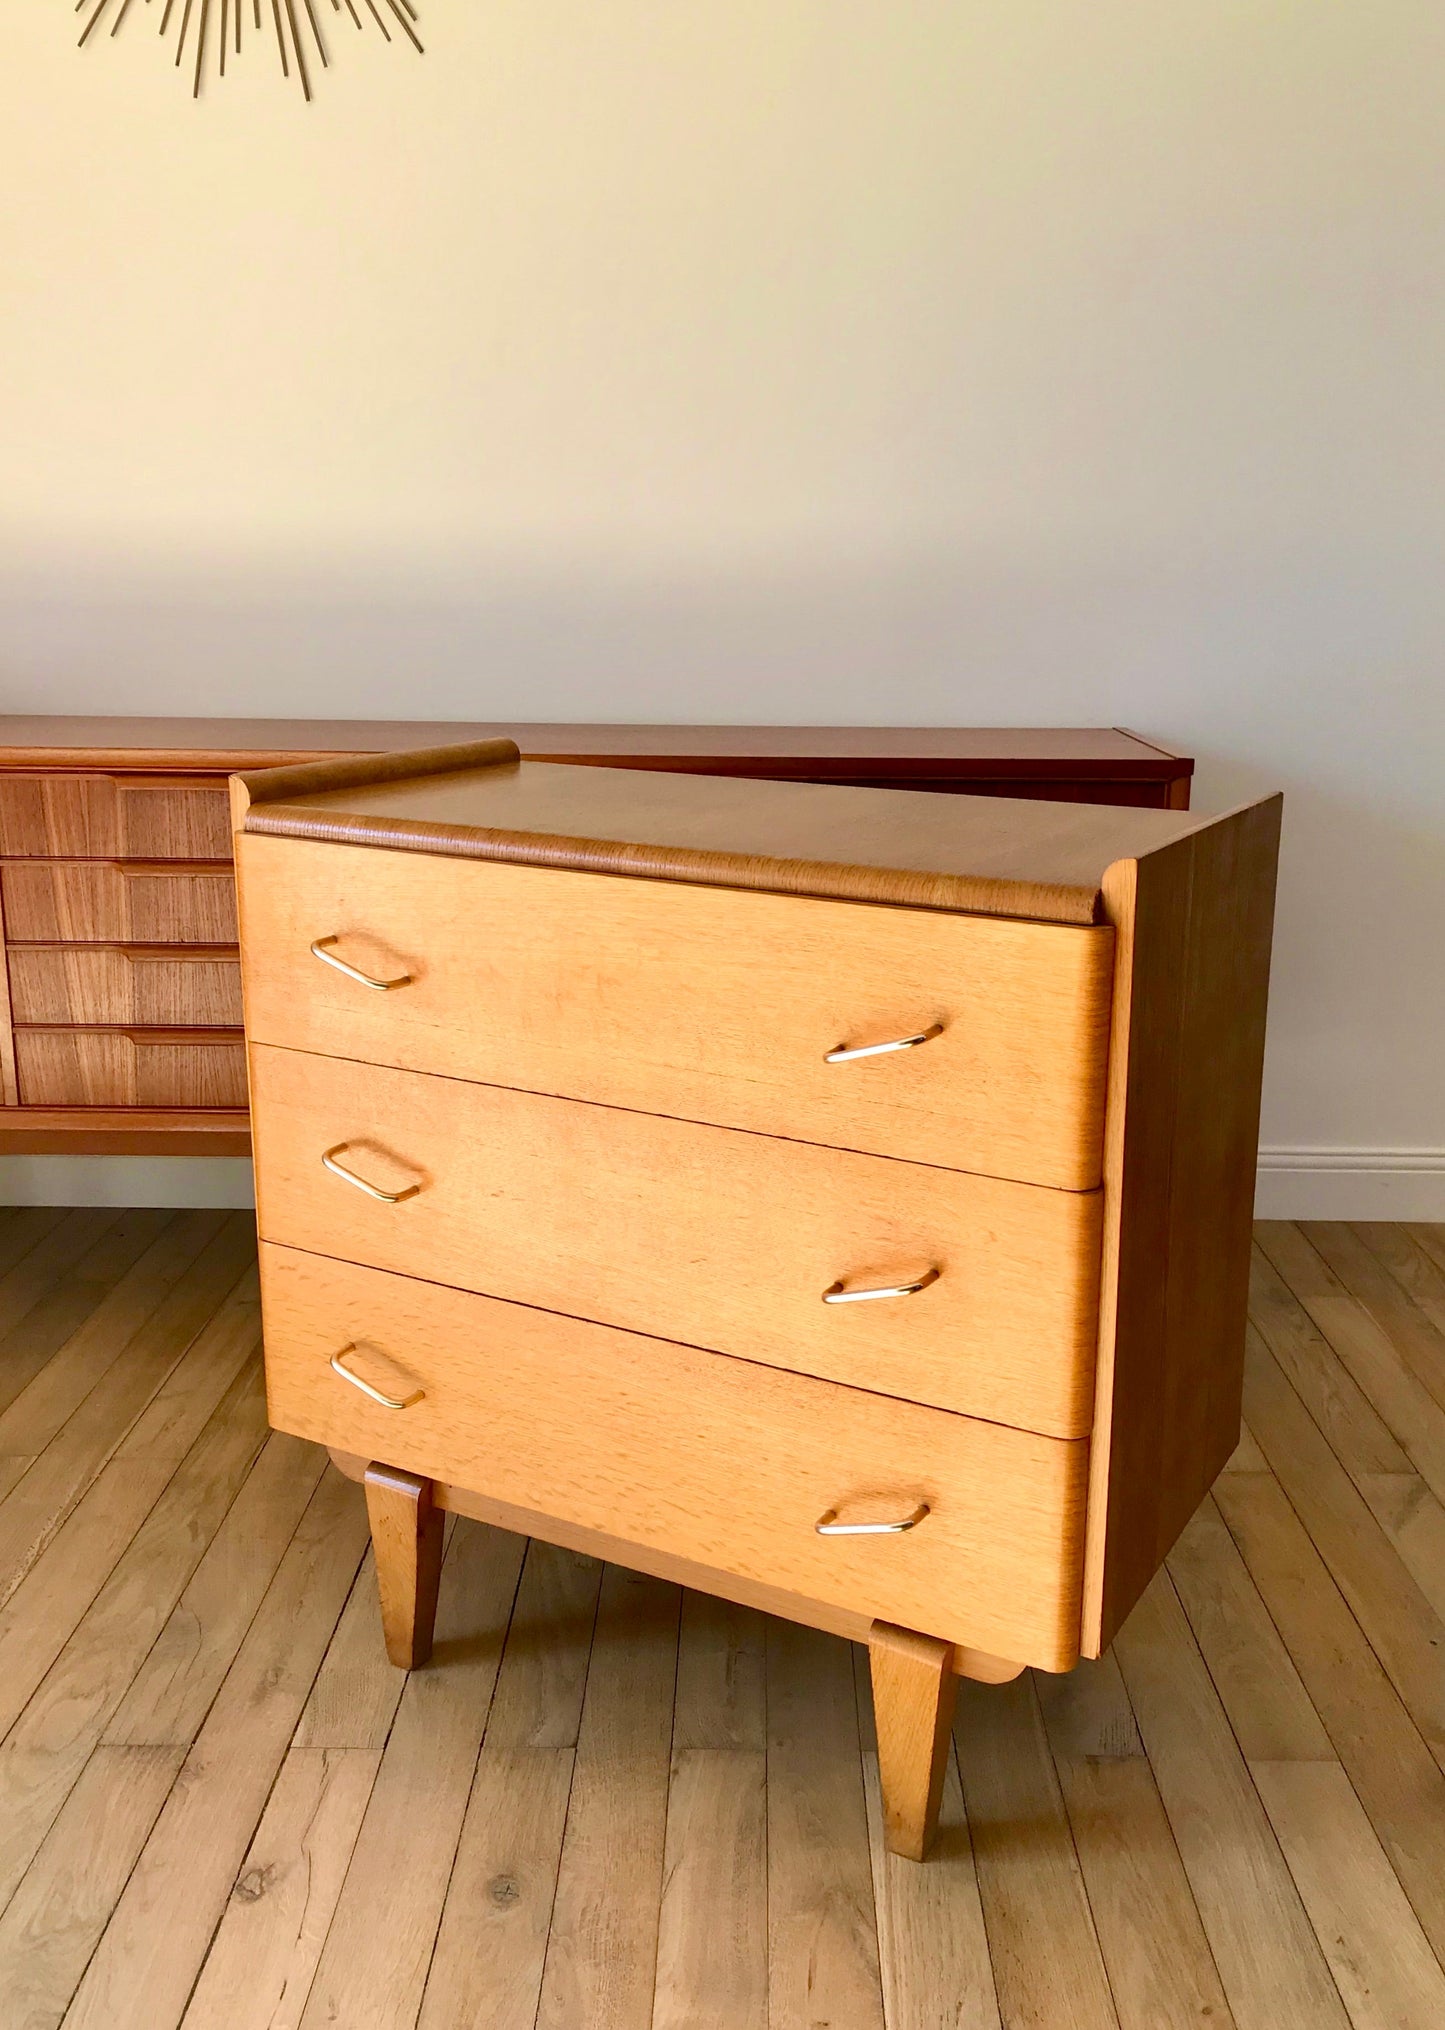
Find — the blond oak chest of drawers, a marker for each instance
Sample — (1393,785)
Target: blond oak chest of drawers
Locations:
(836,1199)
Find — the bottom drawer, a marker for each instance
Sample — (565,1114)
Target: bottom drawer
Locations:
(714,1459)
(131,1067)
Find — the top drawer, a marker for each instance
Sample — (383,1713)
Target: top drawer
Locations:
(108,817)
(710,1004)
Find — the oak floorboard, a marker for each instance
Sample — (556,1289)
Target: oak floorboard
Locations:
(30,1355)
(260,1967)
(1412,1265)
(1404,1321)
(1401,1500)
(121,1280)
(1386,1759)
(30,1280)
(13,1468)
(153,1948)
(932,1945)
(1263,1694)
(1415,1419)
(172,1692)
(1047,1963)
(1371,1938)
(1274,1975)
(1156,1955)
(712,1953)
(1430,1236)
(110,1519)
(1246,1456)
(1383,1967)
(822,1927)
(64,1902)
(358,1688)
(1358,1433)
(601,1960)
(1414,1521)
(721,1675)
(1403,1628)
(50,1743)
(158,1340)
(22,1228)
(374,1965)
(492,1944)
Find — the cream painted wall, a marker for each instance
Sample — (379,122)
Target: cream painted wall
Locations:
(777,360)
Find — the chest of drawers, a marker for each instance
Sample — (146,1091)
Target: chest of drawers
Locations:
(837,1199)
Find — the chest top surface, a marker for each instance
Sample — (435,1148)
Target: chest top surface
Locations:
(983,854)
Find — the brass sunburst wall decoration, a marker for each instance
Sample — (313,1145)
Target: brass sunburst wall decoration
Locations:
(206,32)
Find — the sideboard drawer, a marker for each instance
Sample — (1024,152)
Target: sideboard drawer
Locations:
(107,817)
(145,986)
(712,1459)
(719,1005)
(693,1233)
(130,1068)
(107,902)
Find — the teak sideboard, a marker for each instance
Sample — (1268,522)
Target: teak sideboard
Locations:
(834,1199)
(120,1003)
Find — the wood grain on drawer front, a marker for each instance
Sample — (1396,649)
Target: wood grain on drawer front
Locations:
(107,902)
(717,1460)
(105,817)
(130,1068)
(153,986)
(693,1233)
(703,1002)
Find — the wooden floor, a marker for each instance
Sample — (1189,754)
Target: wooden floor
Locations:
(610,1807)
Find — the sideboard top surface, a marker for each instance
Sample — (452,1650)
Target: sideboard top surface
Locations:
(1024,858)
(1067,753)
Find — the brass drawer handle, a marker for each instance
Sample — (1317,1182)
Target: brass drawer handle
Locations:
(837,1294)
(846,1053)
(338,1366)
(329,1162)
(321,950)
(828,1524)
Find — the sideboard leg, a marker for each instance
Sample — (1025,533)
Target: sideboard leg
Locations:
(913,1693)
(406,1535)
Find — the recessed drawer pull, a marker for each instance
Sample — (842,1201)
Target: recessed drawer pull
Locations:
(338,1366)
(846,1053)
(321,950)
(828,1524)
(329,1162)
(836,1293)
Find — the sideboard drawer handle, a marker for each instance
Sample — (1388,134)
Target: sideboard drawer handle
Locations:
(338,1366)
(837,1293)
(321,949)
(828,1524)
(846,1053)
(329,1162)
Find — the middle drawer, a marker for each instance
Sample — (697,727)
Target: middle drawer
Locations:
(118,902)
(712,1236)
(140,986)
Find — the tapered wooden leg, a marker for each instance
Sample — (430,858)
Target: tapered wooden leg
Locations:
(913,1693)
(406,1535)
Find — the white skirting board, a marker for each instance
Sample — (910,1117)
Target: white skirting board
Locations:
(183,1181)
(1293,1183)
(1350,1184)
